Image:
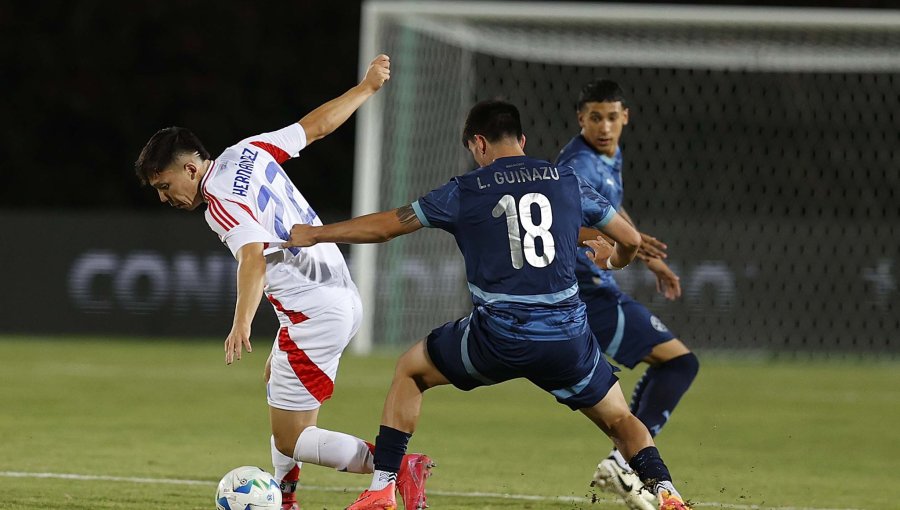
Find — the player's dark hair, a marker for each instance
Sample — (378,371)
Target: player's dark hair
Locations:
(494,120)
(162,149)
(601,91)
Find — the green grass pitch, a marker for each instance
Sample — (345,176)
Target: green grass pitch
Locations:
(170,418)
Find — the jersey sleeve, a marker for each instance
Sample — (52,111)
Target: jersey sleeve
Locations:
(440,207)
(235,223)
(284,144)
(596,210)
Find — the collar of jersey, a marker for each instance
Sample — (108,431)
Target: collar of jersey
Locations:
(206,177)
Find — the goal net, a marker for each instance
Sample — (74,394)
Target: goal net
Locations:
(762,147)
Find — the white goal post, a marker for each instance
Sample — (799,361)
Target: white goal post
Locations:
(446,54)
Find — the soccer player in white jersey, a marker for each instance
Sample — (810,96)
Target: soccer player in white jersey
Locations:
(251,204)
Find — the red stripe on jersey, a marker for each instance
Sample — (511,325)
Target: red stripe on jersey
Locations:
(225,213)
(215,208)
(277,152)
(226,227)
(210,208)
(244,207)
(295,317)
(317,382)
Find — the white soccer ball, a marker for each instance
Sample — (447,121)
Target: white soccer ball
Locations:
(248,488)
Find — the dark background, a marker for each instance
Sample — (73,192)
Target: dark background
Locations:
(85,83)
(795,253)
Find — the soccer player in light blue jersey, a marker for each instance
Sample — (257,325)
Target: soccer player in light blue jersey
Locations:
(626,330)
(516,221)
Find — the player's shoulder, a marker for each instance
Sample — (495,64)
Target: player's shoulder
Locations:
(456,182)
(576,148)
(249,151)
(280,145)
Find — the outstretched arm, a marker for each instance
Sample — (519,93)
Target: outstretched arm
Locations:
(371,228)
(625,243)
(328,117)
(650,249)
(667,282)
(627,238)
(251,278)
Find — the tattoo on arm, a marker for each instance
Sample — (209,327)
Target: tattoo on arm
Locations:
(406,214)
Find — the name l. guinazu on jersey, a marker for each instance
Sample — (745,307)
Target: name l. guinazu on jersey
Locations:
(250,199)
(516,222)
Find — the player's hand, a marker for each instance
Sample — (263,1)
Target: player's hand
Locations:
(267,373)
(667,282)
(379,71)
(237,340)
(652,247)
(600,251)
(302,236)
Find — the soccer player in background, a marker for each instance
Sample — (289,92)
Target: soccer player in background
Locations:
(251,203)
(626,330)
(516,220)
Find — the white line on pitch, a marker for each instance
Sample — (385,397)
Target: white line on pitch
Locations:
(524,497)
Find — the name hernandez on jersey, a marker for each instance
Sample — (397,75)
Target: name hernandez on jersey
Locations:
(251,200)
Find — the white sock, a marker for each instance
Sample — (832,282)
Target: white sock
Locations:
(381,479)
(283,464)
(666,486)
(620,460)
(334,449)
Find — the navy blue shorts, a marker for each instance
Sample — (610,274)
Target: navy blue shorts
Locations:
(573,370)
(625,329)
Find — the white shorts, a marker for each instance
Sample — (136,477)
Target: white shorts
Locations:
(307,351)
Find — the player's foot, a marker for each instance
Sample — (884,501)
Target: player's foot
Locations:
(615,479)
(289,490)
(669,501)
(376,500)
(415,469)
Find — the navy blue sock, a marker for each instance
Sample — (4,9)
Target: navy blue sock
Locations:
(390,447)
(649,466)
(660,388)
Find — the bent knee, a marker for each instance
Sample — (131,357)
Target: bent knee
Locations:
(616,416)
(609,413)
(286,441)
(416,365)
(410,363)
(285,444)
(687,364)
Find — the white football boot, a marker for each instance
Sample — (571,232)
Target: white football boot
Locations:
(622,481)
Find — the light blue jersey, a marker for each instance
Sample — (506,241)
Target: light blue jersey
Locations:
(516,222)
(529,211)
(604,174)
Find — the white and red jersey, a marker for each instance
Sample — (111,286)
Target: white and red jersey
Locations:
(250,199)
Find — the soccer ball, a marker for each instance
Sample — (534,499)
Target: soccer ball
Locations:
(248,488)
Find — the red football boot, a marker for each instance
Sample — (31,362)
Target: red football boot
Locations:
(414,471)
(385,499)
(289,490)
(669,501)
